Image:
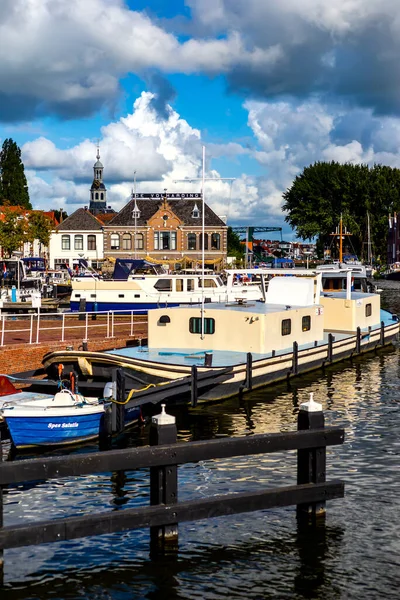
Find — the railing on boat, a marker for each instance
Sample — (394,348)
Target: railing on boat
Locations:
(35,328)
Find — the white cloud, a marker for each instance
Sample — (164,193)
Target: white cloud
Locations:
(162,151)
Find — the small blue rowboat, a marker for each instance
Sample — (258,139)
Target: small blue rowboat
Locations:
(65,418)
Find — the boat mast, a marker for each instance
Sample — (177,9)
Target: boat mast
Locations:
(135,214)
(203,224)
(341,239)
(369,253)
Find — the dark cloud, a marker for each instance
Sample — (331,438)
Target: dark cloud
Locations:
(164,94)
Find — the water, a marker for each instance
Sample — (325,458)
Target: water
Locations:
(255,555)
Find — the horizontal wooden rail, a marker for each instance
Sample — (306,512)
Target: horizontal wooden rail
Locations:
(168,454)
(153,516)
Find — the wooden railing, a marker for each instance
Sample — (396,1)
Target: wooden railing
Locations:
(163,457)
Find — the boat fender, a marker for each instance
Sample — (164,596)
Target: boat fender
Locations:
(109,390)
(60,370)
(72,381)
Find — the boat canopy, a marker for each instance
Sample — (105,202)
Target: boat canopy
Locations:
(127,266)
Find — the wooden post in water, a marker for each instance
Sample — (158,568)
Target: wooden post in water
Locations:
(193,386)
(295,359)
(382,335)
(331,339)
(163,483)
(249,371)
(358,340)
(118,407)
(311,464)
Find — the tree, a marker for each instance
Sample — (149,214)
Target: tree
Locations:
(325,191)
(39,228)
(59,214)
(234,244)
(13,184)
(12,230)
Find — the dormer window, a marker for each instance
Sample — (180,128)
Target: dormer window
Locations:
(195,212)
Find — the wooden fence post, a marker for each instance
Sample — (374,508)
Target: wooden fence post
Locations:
(163,483)
(311,464)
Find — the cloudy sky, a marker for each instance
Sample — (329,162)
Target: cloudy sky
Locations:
(268,86)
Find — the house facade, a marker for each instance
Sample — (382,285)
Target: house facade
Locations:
(80,236)
(167,229)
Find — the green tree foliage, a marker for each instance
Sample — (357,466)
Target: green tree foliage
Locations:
(235,246)
(325,191)
(12,231)
(59,214)
(13,184)
(39,228)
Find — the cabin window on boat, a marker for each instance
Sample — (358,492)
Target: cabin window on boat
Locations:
(190,285)
(179,285)
(139,241)
(195,325)
(208,283)
(126,241)
(191,241)
(114,241)
(163,285)
(286,326)
(215,241)
(65,242)
(78,242)
(91,242)
(165,240)
(306,323)
(205,241)
(368,310)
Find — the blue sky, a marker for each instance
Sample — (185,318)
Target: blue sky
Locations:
(267,87)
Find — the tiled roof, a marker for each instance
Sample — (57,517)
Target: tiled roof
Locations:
(80,220)
(182,208)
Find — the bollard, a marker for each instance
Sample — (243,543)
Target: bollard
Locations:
(163,483)
(311,464)
(208,359)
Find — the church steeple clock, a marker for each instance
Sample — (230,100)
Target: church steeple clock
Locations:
(98,191)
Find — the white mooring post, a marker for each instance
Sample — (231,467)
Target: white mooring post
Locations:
(311,463)
(163,483)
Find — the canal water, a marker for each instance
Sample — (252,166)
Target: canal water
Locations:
(356,554)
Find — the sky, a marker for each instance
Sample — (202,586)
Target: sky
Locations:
(267,86)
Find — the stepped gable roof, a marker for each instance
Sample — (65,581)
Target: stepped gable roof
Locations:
(183,209)
(80,220)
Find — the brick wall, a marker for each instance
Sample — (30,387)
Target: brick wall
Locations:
(19,358)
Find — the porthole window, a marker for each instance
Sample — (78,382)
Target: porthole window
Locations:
(286,326)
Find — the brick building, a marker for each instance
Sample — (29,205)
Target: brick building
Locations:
(167,228)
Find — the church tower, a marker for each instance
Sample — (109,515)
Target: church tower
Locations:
(98,192)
